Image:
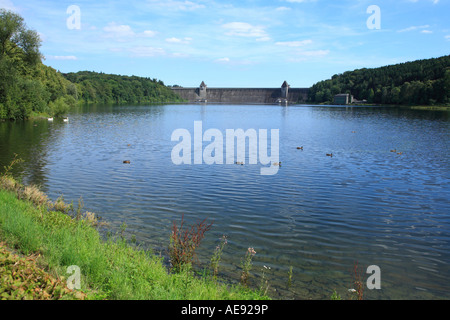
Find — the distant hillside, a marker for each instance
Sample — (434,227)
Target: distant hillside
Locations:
(421,82)
(92,87)
(29,88)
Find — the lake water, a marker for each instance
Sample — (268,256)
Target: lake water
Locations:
(318,215)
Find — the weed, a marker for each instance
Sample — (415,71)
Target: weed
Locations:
(184,242)
(290,276)
(123,228)
(92,219)
(60,205)
(11,165)
(335,296)
(357,281)
(8,183)
(246,265)
(79,208)
(34,195)
(215,259)
(264,287)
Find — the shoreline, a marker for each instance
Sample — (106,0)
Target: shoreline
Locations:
(414,107)
(114,269)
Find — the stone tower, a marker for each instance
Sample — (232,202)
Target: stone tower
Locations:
(202,91)
(284,90)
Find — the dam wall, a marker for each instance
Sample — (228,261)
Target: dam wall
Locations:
(243,95)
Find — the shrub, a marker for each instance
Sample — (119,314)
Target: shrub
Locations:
(184,242)
(34,195)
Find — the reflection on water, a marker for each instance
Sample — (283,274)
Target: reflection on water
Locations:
(318,214)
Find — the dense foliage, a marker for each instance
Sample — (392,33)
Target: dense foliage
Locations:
(421,82)
(27,86)
(92,87)
(30,88)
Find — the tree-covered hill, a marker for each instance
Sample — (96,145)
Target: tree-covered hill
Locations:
(93,87)
(421,82)
(30,88)
(27,86)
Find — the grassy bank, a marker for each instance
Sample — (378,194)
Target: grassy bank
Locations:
(109,269)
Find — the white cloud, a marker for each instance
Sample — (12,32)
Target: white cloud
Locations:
(122,32)
(426,31)
(282,9)
(293,43)
(8,5)
(234,62)
(149,33)
(179,55)
(119,32)
(244,29)
(188,5)
(62,57)
(176,5)
(263,39)
(434,1)
(447,37)
(300,1)
(145,51)
(185,40)
(413,28)
(223,60)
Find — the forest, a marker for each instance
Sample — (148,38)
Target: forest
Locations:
(420,82)
(28,88)
(93,87)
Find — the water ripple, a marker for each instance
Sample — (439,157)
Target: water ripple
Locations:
(318,214)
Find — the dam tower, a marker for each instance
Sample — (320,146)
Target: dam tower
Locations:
(285,90)
(202,91)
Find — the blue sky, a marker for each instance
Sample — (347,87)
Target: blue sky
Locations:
(245,43)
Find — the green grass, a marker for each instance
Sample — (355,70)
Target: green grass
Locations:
(111,269)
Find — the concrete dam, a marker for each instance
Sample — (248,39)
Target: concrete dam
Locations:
(284,94)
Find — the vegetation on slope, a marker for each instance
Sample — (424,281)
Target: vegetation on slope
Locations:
(93,87)
(56,236)
(29,88)
(421,82)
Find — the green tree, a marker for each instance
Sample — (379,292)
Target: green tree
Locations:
(446,90)
(27,86)
(14,34)
(370,95)
(418,82)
